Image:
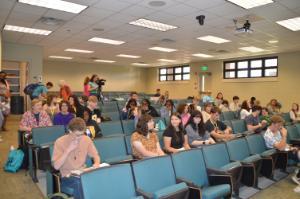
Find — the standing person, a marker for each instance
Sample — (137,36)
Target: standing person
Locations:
(144,140)
(93,85)
(295,113)
(3,79)
(197,135)
(183,110)
(4,104)
(40,91)
(175,138)
(217,129)
(219,99)
(234,105)
(70,153)
(65,90)
(64,116)
(86,86)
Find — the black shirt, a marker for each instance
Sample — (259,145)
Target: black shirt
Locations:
(151,111)
(175,143)
(209,126)
(96,113)
(94,128)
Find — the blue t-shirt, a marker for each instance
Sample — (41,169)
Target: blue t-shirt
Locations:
(41,89)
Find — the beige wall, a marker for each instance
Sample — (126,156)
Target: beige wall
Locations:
(119,78)
(285,88)
(0,50)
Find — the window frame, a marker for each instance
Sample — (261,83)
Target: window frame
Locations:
(263,68)
(173,74)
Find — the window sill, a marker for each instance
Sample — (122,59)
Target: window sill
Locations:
(174,82)
(270,79)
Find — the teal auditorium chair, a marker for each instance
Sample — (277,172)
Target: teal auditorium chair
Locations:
(293,135)
(228,115)
(109,107)
(256,144)
(128,144)
(218,162)
(240,127)
(113,182)
(112,150)
(155,179)
(128,126)
(114,116)
(190,168)
(41,138)
(111,128)
(228,123)
(287,118)
(238,151)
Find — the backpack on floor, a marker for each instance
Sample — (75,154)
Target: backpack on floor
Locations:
(14,161)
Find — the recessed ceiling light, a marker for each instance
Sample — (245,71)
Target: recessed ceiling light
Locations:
(152,25)
(202,55)
(166,60)
(104,61)
(129,56)
(56,5)
(162,49)
(78,50)
(247,4)
(252,49)
(140,64)
(213,39)
(273,41)
(157,3)
(27,30)
(292,24)
(59,57)
(106,41)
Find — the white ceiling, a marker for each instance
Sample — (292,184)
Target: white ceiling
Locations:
(113,17)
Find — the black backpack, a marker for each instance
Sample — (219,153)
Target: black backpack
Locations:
(28,90)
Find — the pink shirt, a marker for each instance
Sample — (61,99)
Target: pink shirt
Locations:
(86,89)
(29,120)
(185,118)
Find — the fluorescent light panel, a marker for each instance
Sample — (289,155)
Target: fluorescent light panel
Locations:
(106,41)
(78,50)
(213,39)
(273,41)
(104,61)
(140,64)
(129,56)
(27,30)
(292,24)
(59,57)
(56,5)
(163,49)
(166,60)
(252,49)
(152,25)
(247,4)
(202,55)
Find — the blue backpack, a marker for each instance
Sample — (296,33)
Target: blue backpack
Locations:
(14,161)
(28,90)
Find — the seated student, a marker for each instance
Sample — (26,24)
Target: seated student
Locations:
(224,106)
(70,153)
(127,113)
(93,109)
(219,99)
(134,96)
(64,116)
(35,117)
(92,126)
(197,135)
(167,110)
(183,110)
(274,107)
(175,138)
(245,110)
(148,109)
(206,112)
(195,104)
(235,106)
(51,106)
(295,113)
(75,107)
(144,140)
(265,116)
(217,129)
(253,122)
(276,136)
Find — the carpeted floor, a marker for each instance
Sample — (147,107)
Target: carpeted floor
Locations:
(20,186)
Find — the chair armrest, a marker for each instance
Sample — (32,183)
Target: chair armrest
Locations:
(189,183)
(212,171)
(146,195)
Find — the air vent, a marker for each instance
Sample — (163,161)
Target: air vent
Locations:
(157,3)
(166,40)
(51,21)
(218,51)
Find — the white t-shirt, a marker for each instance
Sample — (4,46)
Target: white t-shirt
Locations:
(234,107)
(205,115)
(244,113)
(295,117)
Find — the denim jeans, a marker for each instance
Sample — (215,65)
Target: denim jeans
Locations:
(72,183)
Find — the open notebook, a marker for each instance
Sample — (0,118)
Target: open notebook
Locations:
(80,171)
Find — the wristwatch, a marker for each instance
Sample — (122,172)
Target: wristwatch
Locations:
(203,142)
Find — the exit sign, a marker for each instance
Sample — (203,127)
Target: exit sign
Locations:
(204,68)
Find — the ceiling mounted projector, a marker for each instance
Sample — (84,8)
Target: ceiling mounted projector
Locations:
(244,29)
